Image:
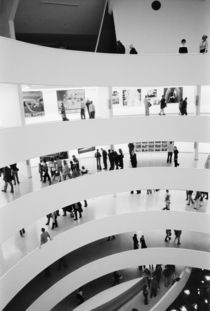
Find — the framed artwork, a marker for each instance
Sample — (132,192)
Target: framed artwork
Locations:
(131,97)
(84,150)
(151,93)
(115,98)
(51,157)
(72,99)
(173,94)
(151,146)
(33,104)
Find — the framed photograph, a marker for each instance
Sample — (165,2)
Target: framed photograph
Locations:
(173,94)
(84,150)
(72,99)
(115,98)
(51,157)
(151,93)
(33,104)
(131,97)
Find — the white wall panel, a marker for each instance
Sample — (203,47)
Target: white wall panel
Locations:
(37,204)
(22,143)
(98,268)
(30,64)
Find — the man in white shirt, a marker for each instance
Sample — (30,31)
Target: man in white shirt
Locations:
(170,151)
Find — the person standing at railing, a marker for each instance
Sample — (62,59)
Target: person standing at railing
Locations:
(183,49)
(204,45)
(132,49)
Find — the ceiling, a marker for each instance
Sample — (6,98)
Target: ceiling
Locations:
(75,17)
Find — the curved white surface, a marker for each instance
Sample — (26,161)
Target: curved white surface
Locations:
(32,64)
(107,295)
(109,131)
(90,232)
(98,268)
(37,204)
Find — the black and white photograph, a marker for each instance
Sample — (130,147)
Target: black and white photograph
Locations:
(72,99)
(33,104)
(104,155)
(173,95)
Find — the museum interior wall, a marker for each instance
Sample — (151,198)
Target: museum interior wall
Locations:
(164,28)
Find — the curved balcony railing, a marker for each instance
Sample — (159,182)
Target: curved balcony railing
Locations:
(75,190)
(26,63)
(42,139)
(96,230)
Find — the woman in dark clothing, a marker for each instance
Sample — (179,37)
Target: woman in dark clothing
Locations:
(132,50)
(142,241)
(116,159)
(162,105)
(15,170)
(184,107)
(183,49)
(111,159)
(7,177)
(135,242)
(176,152)
(145,294)
(120,158)
(133,159)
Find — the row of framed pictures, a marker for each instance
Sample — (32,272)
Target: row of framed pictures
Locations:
(34,104)
(73,99)
(133,97)
(151,146)
(64,154)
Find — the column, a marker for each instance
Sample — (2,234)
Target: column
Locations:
(197,113)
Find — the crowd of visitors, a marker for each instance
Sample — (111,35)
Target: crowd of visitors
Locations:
(115,159)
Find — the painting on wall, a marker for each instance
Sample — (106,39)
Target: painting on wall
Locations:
(84,150)
(151,93)
(51,157)
(33,104)
(72,99)
(131,97)
(173,94)
(115,98)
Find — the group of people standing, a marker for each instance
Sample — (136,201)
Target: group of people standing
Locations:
(115,159)
(57,169)
(172,151)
